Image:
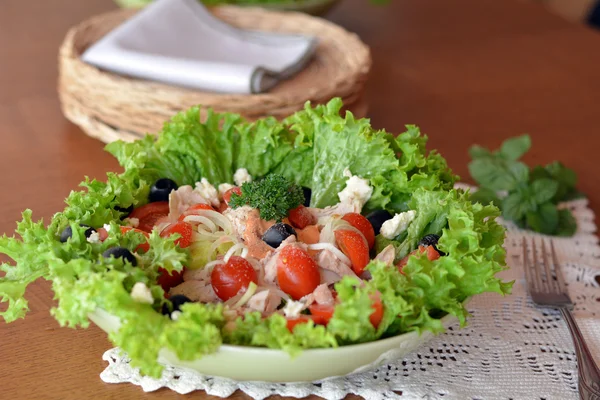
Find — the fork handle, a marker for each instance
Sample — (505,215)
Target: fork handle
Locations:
(589,375)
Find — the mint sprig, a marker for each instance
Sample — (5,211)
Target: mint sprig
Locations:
(530,196)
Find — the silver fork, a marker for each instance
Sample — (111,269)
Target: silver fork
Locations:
(548,289)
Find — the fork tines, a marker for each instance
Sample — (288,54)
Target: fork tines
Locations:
(544,276)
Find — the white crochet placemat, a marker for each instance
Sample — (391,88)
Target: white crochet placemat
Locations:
(509,350)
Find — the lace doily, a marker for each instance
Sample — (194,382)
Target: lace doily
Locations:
(509,350)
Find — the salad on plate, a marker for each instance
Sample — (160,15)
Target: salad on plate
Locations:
(314,232)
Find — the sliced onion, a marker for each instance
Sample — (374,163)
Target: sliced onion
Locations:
(203,235)
(232,250)
(203,220)
(249,293)
(222,240)
(328,246)
(334,224)
(218,218)
(327,232)
(211,235)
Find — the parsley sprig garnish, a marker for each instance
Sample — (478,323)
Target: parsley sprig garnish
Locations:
(273,195)
(531,195)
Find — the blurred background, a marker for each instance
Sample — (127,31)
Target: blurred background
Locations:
(587,11)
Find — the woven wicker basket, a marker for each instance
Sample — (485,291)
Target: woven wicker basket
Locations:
(108,106)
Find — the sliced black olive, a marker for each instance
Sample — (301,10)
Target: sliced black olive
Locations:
(161,189)
(307,195)
(431,240)
(125,211)
(120,252)
(377,218)
(68,232)
(176,302)
(277,234)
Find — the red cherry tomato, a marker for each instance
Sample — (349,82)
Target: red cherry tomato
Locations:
(297,273)
(144,246)
(432,255)
(184,229)
(229,278)
(355,247)
(292,322)
(300,217)
(363,225)
(321,314)
(227,195)
(167,281)
(377,314)
(192,210)
(150,213)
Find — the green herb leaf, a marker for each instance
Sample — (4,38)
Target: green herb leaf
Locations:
(531,196)
(485,196)
(514,207)
(515,148)
(567,225)
(498,174)
(544,219)
(567,179)
(543,190)
(274,196)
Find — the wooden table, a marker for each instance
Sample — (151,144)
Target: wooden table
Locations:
(466,71)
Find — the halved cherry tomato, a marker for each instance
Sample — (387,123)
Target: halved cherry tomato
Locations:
(377,314)
(192,210)
(150,213)
(292,322)
(363,225)
(144,246)
(229,278)
(321,314)
(300,217)
(355,247)
(184,229)
(297,272)
(432,255)
(167,281)
(227,195)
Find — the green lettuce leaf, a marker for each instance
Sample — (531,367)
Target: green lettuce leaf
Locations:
(272,332)
(340,142)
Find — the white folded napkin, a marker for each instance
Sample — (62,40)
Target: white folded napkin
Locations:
(180,43)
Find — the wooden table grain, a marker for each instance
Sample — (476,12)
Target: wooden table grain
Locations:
(466,71)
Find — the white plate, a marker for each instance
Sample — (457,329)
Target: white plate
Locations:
(243,363)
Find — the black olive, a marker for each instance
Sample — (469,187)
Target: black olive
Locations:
(68,232)
(125,211)
(176,302)
(277,234)
(377,218)
(431,240)
(120,252)
(161,189)
(307,195)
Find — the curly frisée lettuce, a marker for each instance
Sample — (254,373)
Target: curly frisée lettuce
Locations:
(311,148)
